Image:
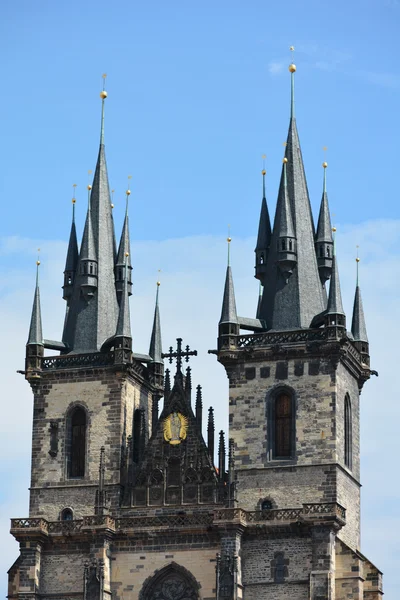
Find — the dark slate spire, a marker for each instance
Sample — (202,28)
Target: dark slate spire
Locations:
(264,236)
(71,263)
(155,341)
(88,258)
(334,313)
(358,328)
(228,313)
(323,237)
(124,319)
(211,432)
(293,306)
(199,408)
(286,239)
(167,386)
(123,250)
(35,337)
(188,385)
(89,324)
(221,455)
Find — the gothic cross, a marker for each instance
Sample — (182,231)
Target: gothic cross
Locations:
(179,354)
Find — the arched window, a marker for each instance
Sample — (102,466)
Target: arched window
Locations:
(173,581)
(283,426)
(348,454)
(67,515)
(77,446)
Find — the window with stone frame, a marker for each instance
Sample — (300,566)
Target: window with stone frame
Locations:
(348,441)
(76,451)
(283,425)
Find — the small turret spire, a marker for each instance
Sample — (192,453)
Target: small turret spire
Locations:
(228,313)
(264,232)
(221,455)
(155,349)
(211,433)
(335,315)
(292,69)
(124,248)
(124,320)
(88,257)
(199,408)
(71,262)
(358,327)
(323,237)
(285,230)
(35,337)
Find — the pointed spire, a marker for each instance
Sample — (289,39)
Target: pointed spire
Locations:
(221,455)
(199,408)
(228,313)
(35,337)
(167,386)
(358,327)
(92,317)
(188,385)
(71,262)
(323,237)
(124,249)
(285,231)
(211,433)
(294,305)
(155,341)
(292,69)
(88,257)
(124,320)
(335,313)
(264,234)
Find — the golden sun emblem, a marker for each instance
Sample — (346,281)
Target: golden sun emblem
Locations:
(175,428)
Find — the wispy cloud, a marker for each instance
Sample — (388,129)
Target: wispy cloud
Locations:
(275,67)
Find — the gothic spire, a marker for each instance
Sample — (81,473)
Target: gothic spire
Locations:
(264,234)
(358,327)
(228,313)
(155,341)
(124,249)
(334,312)
(199,408)
(292,302)
(211,433)
(323,237)
(93,319)
(221,455)
(35,337)
(71,262)
(124,319)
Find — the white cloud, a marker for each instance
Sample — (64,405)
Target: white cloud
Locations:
(193,271)
(275,67)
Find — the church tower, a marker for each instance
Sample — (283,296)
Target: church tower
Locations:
(294,406)
(128,500)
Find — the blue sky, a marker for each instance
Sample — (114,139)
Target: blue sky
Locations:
(197,93)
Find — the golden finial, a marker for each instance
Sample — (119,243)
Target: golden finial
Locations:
(285,160)
(73,198)
(126,254)
(89,187)
(159,282)
(112,198)
(357,257)
(263,172)
(229,239)
(103,93)
(38,261)
(325,164)
(334,229)
(128,191)
(292,66)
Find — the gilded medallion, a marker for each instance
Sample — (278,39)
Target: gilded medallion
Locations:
(175,428)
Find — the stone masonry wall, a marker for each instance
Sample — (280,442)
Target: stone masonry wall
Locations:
(110,399)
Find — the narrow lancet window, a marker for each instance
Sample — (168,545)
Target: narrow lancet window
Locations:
(77,454)
(283,426)
(348,454)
